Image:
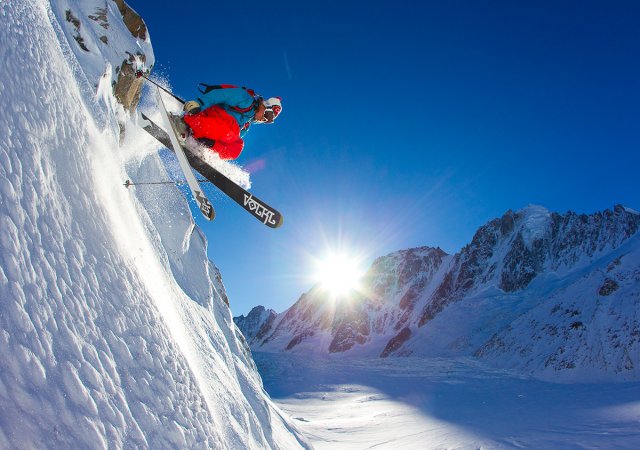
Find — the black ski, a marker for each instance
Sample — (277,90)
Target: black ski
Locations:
(253,205)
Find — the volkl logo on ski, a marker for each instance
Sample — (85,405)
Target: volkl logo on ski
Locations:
(259,210)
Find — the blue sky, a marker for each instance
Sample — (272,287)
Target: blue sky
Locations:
(408,124)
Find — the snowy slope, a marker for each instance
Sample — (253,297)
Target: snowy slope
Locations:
(114,330)
(554,295)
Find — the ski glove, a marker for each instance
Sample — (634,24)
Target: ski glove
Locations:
(191,107)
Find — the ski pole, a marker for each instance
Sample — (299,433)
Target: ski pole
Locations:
(139,74)
(147,183)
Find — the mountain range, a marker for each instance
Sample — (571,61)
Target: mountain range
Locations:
(549,294)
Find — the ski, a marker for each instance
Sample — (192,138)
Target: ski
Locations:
(203,202)
(252,204)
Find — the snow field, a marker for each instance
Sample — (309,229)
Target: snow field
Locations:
(445,403)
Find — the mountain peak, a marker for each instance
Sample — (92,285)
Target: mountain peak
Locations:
(622,208)
(258,319)
(536,221)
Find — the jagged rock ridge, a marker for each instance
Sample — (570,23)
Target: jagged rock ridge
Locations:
(258,319)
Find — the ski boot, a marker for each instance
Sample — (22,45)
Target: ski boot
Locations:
(209,143)
(182,129)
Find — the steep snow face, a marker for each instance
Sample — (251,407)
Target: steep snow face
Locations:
(114,331)
(553,295)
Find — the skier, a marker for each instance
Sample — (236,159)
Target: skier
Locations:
(222,116)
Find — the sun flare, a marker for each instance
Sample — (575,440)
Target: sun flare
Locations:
(339,274)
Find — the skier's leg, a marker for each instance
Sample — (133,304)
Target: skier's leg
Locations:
(228,150)
(214,124)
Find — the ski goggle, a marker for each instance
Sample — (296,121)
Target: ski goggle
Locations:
(271,112)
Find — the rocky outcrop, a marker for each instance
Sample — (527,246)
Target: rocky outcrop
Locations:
(396,342)
(132,20)
(109,30)
(128,87)
(73,20)
(608,287)
(351,328)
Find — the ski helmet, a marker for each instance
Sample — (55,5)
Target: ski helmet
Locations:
(273,107)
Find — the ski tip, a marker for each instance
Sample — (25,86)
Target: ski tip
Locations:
(208,212)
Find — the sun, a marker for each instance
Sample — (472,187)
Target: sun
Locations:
(339,273)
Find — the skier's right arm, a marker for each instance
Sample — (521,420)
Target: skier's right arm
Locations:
(231,96)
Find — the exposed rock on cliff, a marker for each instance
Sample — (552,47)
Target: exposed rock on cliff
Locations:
(99,28)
